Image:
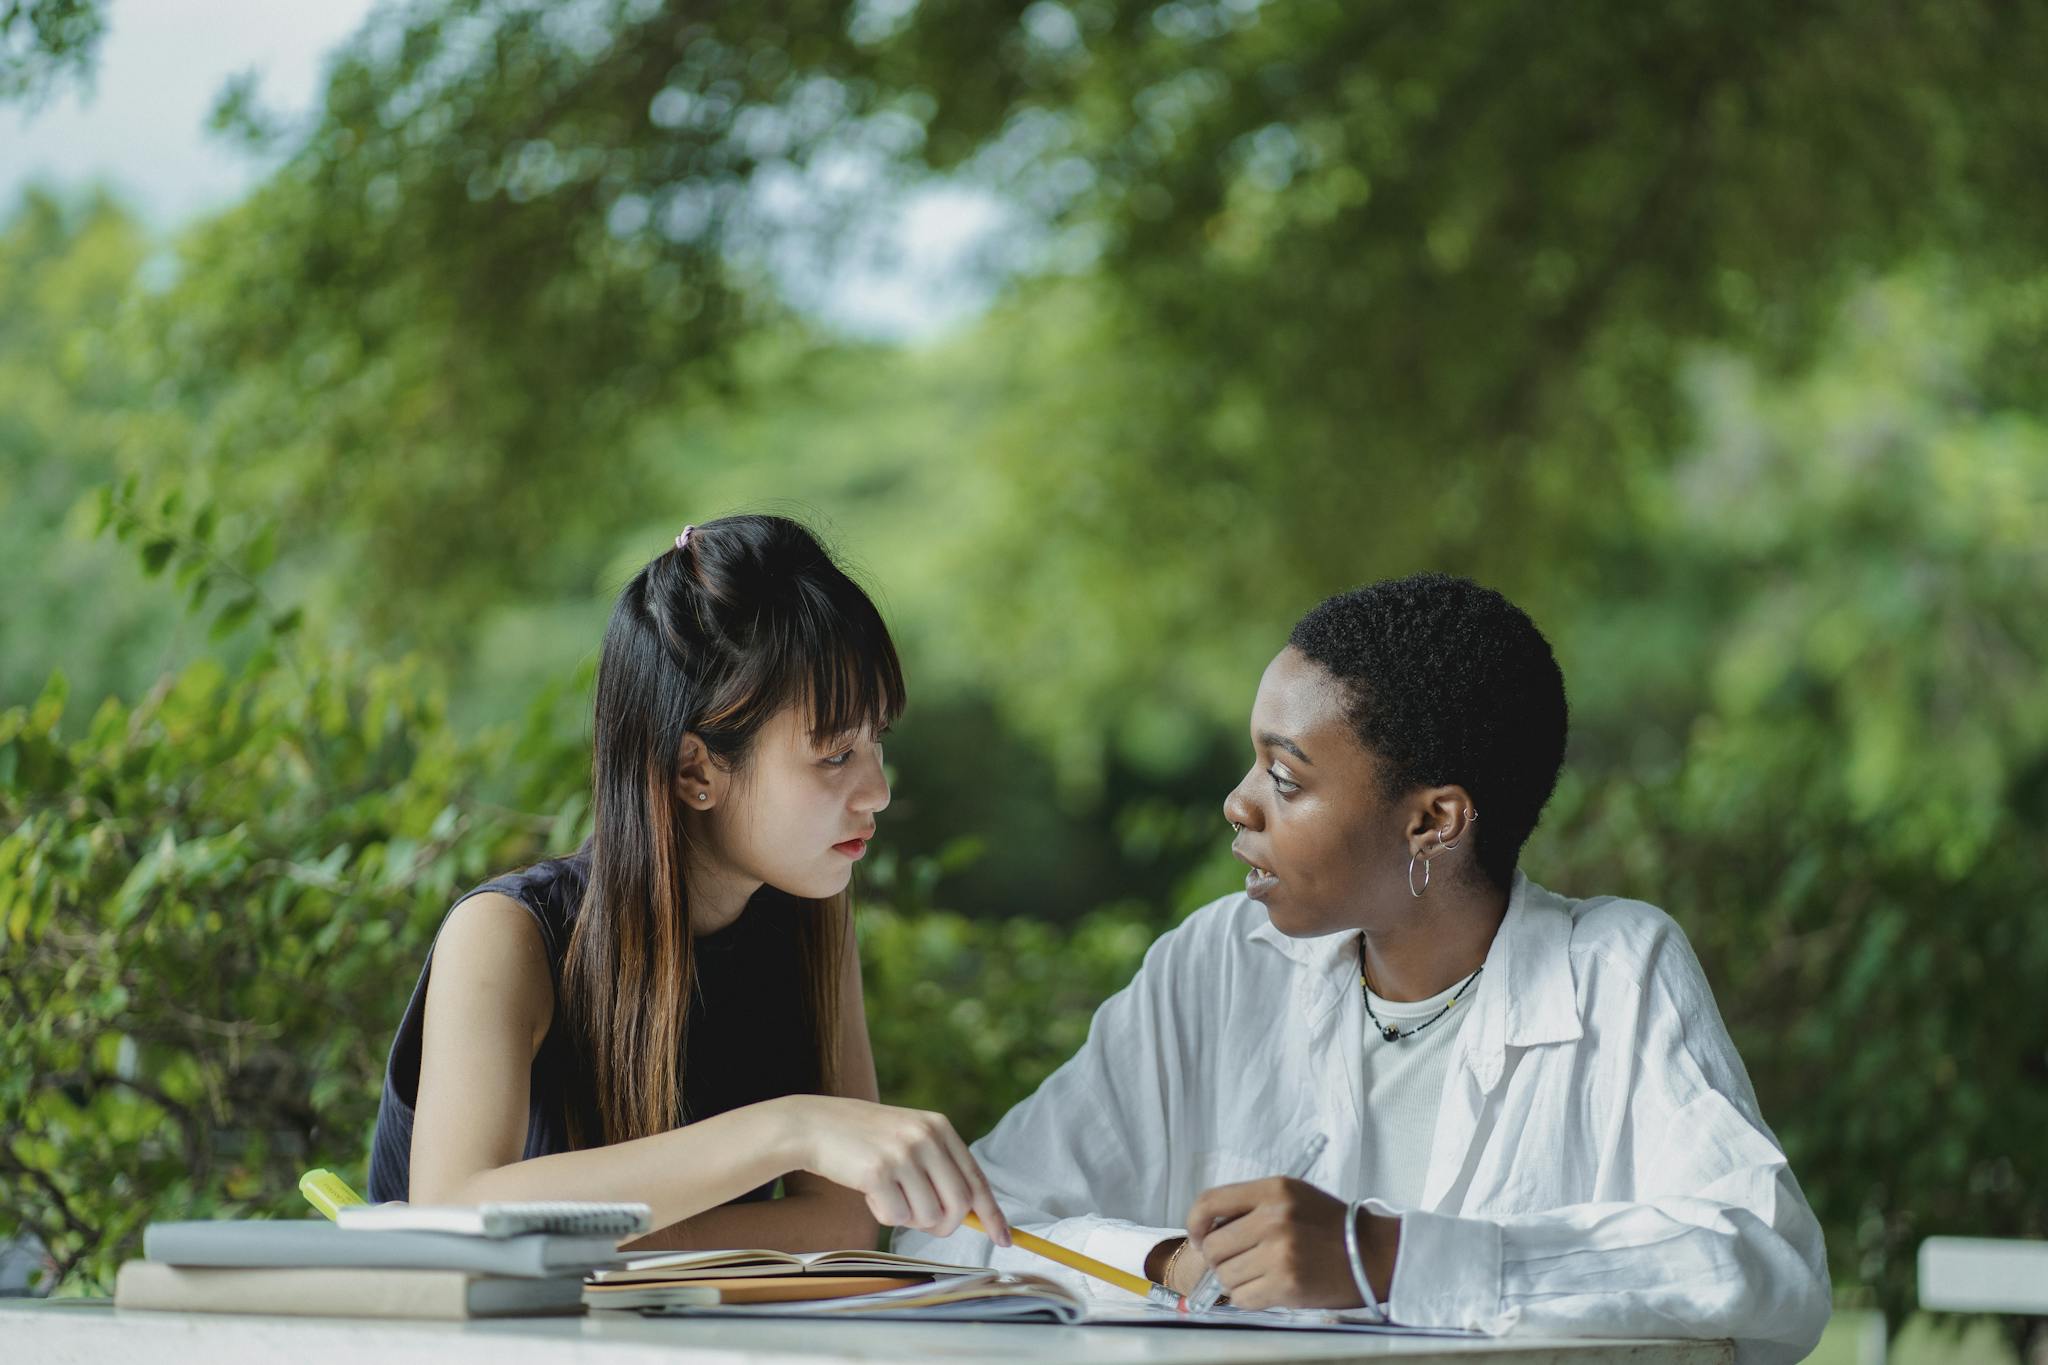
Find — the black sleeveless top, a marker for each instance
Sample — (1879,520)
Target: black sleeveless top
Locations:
(748,1036)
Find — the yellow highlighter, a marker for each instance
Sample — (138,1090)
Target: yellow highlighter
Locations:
(327,1192)
(1087,1265)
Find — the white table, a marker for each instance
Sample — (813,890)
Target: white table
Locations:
(1984,1275)
(60,1333)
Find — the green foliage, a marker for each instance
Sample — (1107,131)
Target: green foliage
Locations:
(1377,288)
(1848,825)
(191,549)
(1712,335)
(513,233)
(74,408)
(212,901)
(968,1016)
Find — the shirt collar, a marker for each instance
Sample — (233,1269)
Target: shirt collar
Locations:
(1535,1001)
(1538,1001)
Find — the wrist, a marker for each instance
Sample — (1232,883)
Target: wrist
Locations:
(1157,1258)
(784,1134)
(1379,1245)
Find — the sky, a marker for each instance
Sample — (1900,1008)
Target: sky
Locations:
(137,125)
(138,121)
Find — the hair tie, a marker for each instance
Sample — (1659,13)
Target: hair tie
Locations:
(683,540)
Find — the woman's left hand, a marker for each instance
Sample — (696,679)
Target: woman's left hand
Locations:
(1281,1244)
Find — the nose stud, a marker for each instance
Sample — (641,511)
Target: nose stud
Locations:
(1236,828)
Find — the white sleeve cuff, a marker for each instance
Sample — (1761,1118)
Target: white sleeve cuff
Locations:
(1447,1272)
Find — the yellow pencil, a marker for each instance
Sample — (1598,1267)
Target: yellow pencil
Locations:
(326,1191)
(1073,1260)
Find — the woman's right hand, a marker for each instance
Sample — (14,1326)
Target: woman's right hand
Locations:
(909,1163)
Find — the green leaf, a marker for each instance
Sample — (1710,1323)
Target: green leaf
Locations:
(133,896)
(261,552)
(232,616)
(49,705)
(156,554)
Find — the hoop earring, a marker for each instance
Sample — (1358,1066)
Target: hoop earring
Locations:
(1470,816)
(1414,858)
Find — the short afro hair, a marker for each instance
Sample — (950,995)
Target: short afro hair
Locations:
(1450,683)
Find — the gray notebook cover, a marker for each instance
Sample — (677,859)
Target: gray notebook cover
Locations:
(289,1242)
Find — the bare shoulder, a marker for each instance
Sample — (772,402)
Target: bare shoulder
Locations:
(490,949)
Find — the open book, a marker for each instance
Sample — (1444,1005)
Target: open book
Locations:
(880,1284)
(867,1284)
(676,1266)
(980,1296)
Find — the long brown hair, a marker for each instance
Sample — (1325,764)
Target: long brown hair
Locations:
(712,638)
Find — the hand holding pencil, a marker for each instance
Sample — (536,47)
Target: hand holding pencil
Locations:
(913,1168)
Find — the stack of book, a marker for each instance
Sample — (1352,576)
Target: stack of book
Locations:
(868,1284)
(390,1260)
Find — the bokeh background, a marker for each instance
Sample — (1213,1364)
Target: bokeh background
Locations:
(1102,339)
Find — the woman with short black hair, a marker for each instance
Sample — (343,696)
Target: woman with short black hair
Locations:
(1511,1111)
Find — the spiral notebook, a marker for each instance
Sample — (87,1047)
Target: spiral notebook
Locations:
(501,1219)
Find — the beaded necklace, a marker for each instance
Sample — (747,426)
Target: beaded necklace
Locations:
(1391,1032)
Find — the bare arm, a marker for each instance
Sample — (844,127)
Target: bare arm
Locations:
(850,1161)
(489,1003)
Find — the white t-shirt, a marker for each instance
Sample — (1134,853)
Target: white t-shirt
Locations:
(1404,1084)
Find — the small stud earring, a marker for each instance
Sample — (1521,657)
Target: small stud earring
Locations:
(703,796)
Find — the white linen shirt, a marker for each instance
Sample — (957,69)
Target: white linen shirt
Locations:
(1600,1167)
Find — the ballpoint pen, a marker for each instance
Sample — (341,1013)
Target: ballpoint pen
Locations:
(1209,1289)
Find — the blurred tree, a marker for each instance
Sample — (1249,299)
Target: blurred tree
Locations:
(41,41)
(74,394)
(1369,288)
(209,902)
(1848,822)
(512,233)
(1375,286)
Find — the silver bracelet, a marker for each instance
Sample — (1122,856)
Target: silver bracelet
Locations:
(1372,1305)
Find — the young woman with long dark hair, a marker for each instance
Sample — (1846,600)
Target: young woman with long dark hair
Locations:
(672,1014)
